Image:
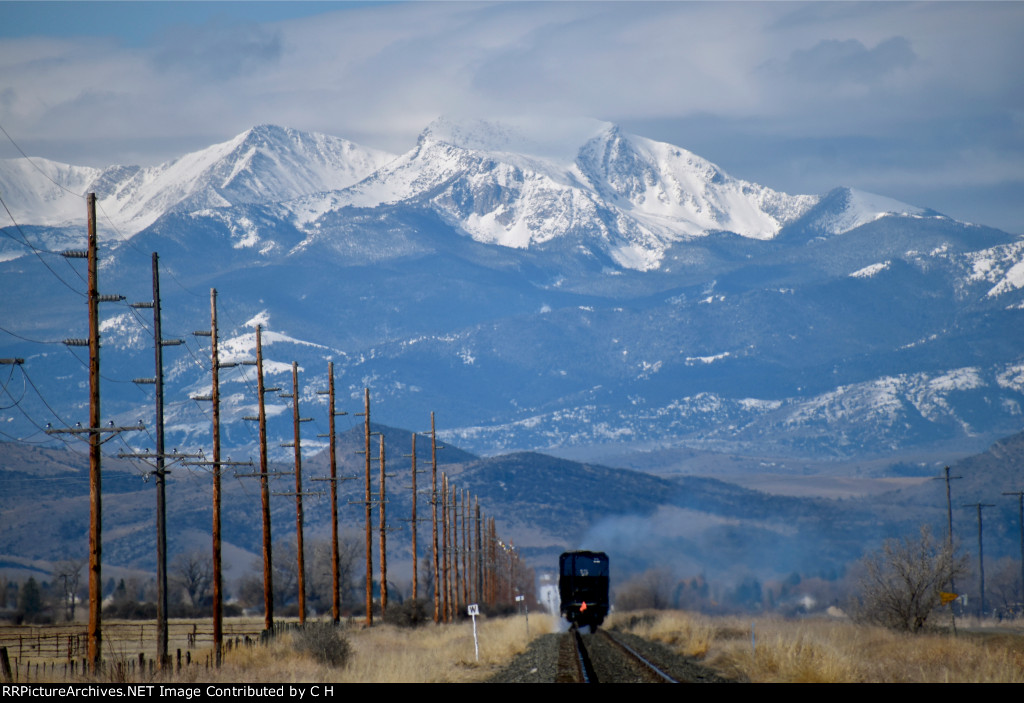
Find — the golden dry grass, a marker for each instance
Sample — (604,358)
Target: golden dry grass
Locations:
(833,651)
(810,650)
(381,654)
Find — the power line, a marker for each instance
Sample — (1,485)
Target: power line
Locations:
(36,166)
(37,251)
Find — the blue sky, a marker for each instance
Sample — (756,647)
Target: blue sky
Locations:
(919,101)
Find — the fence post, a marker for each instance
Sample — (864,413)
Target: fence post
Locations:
(5,666)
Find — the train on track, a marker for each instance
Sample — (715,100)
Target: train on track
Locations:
(583,587)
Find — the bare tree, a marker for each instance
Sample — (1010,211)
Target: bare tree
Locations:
(651,589)
(350,558)
(286,572)
(193,572)
(68,572)
(904,581)
(1004,585)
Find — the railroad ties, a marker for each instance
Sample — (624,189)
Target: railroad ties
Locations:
(604,658)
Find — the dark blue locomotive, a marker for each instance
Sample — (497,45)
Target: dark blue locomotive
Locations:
(583,587)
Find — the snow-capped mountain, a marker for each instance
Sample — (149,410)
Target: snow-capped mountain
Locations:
(624,196)
(262,164)
(536,286)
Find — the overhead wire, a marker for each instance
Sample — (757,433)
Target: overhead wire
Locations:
(120,238)
(36,250)
(29,339)
(35,165)
(6,389)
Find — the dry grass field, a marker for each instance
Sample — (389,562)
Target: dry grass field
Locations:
(822,650)
(778,650)
(381,654)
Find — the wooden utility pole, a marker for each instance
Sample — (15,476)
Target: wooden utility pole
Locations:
(465,547)
(454,503)
(1020,523)
(981,552)
(95,432)
(415,553)
(160,470)
(161,501)
(383,535)
(218,579)
(433,517)
(268,566)
(444,544)
(479,556)
(217,467)
(493,554)
(949,507)
(297,444)
(264,476)
(335,567)
(95,501)
(368,504)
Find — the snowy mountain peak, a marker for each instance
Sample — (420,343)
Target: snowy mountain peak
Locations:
(516,182)
(674,193)
(263,164)
(843,209)
(557,139)
(524,183)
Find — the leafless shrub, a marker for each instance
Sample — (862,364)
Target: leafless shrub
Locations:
(903,582)
(411,613)
(323,641)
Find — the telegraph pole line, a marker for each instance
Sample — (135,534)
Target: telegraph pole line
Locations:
(949,536)
(216,464)
(414,520)
(297,444)
(161,501)
(268,566)
(264,476)
(218,594)
(335,568)
(1020,522)
(383,535)
(465,547)
(94,431)
(368,508)
(444,543)
(981,551)
(479,555)
(95,499)
(433,516)
(454,504)
(492,539)
(161,473)
(415,554)
(949,507)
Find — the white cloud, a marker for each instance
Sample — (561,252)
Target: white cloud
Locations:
(939,80)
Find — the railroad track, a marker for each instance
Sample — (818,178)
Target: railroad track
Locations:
(603,658)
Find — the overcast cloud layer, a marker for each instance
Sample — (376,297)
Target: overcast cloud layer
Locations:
(922,102)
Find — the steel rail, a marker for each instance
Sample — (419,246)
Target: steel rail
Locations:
(638,657)
(583,664)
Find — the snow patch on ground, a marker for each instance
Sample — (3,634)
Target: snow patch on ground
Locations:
(869,271)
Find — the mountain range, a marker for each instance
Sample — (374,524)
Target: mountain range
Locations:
(687,525)
(555,286)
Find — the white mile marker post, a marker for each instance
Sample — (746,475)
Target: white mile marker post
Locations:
(526,609)
(473,611)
